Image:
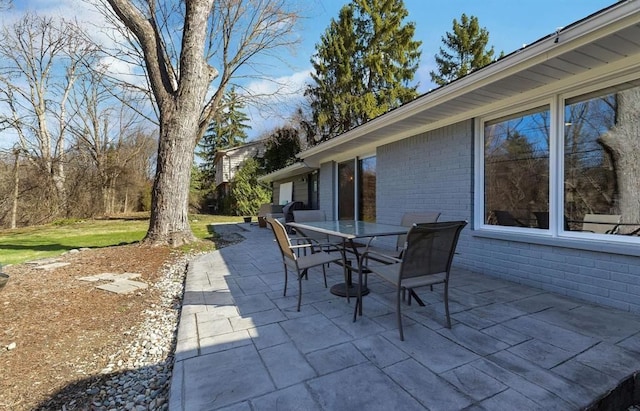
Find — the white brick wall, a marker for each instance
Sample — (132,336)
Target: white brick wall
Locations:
(326,190)
(434,171)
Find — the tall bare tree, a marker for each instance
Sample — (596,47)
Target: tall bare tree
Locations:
(186,45)
(105,129)
(41,58)
(623,144)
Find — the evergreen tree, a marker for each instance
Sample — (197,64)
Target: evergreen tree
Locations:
(465,51)
(281,148)
(362,66)
(228,129)
(246,191)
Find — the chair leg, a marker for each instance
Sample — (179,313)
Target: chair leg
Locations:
(324,274)
(286,279)
(300,287)
(415,297)
(446,303)
(345,272)
(399,313)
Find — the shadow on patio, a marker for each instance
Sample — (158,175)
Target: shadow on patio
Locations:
(243,346)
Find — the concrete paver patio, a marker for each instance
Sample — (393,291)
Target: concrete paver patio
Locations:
(241,345)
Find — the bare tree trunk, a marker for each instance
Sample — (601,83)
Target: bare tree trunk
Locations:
(623,143)
(16,191)
(169,221)
(230,33)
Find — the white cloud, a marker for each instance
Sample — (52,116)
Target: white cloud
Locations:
(277,99)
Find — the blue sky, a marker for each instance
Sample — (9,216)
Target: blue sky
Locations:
(511,24)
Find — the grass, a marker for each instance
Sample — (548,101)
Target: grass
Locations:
(31,243)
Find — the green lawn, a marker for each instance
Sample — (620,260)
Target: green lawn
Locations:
(30,243)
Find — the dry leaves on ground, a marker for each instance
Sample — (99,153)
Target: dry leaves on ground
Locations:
(64,329)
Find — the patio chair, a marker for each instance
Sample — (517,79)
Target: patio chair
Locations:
(301,264)
(411,218)
(408,220)
(305,216)
(542,219)
(505,218)
(426,261)
(601,223)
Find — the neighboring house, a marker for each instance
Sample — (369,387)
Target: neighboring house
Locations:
(228,162)
(548,134)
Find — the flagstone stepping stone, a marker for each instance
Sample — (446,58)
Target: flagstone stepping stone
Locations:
(51,266)
(44,261)
(123,286)
(117,283)
(110,277)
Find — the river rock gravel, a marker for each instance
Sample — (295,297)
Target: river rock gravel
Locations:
(138,376)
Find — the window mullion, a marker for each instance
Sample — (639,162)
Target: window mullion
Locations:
(556,165)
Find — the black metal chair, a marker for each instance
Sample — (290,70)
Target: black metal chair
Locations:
(300,264)
(505,218)
(426,261)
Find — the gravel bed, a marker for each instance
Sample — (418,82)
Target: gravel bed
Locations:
(138,376)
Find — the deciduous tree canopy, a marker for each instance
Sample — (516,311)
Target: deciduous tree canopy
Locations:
(208,40)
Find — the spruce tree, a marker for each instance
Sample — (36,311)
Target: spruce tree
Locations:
(226,130)
(465,51)
(363,66)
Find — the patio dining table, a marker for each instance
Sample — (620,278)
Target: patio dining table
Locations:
(348,231)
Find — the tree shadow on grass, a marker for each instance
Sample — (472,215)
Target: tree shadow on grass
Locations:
(56,247)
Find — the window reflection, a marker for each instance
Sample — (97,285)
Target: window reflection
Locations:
(346,191)
(367,183)
(516,180)
(601,162)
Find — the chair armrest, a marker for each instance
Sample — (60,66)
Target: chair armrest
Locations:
(380,257)
(300,246)
(314,245)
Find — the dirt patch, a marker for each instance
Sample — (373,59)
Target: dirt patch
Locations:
(57,331)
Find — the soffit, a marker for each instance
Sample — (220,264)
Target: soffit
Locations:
(287,172)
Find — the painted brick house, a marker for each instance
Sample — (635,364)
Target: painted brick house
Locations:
(548,135)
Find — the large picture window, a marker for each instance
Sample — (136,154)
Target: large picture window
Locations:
(570,168)
(602,162)
(516,169)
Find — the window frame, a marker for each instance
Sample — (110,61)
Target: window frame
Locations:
(555,235)
(357,182)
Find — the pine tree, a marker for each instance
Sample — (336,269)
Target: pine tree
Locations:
(465,51)
(281,148)
(362,66)
(246,191)
(228,129)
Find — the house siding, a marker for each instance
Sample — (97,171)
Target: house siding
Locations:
(434,171)
(326,181)
(228,164)
(300,189)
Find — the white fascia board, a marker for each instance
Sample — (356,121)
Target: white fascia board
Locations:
(289,171)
